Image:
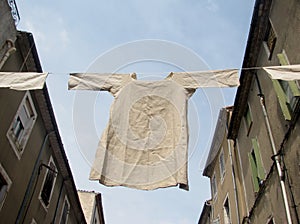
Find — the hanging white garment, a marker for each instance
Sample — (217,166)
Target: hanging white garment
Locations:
(287,72)
(145,143)
(22,80)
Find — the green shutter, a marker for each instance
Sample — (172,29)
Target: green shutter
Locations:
(283,61)
(248,116)
(282,99)
(294,88)
(254,172)
(260,168)
(279,91)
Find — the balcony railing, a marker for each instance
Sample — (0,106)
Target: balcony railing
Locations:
(14,11)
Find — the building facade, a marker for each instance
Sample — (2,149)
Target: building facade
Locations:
(225,179)
(92,206)
(36,183)
(264,125)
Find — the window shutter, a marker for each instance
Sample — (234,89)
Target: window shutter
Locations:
(283,61)
(260,168)
(282,100)
(294,88)
(254,172)
(3,189)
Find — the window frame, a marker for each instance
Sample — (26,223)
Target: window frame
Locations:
(46,206)
(270,30)
(270,220)
(33,221)
(8,181)
(222,161)
(214,187)
(22,125)
(228,215)
(248,118)
(216,220)
(66,201)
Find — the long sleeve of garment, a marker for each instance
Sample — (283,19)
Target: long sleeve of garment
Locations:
(22,80)
(287,73)
(99,82)
(199,79)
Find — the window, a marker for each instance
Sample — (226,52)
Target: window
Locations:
(248,119)
(5,184)
(226,209)
(288,92)
(270,40)
(216,221)
(65,212)
(214,185)
(22,125)
(270,221)
(257,169)
(222,164)
(48,184)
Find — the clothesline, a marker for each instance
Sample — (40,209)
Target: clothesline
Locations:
(168,72)
(32,80)
(145,145)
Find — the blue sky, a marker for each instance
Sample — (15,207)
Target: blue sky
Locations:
(74,36)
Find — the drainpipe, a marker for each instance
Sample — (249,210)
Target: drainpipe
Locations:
(275,154)
(34,173)
(234,183)
(11,49)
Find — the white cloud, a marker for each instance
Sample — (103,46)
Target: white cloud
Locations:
(64,37)
(212,6)
(39,36)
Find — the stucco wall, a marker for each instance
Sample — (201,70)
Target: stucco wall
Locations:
(87,200)
(284,16)
(8,29)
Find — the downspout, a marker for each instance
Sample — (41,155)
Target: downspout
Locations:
(275,155)
(35,170)
(234,183)
(11,49)
(286,137)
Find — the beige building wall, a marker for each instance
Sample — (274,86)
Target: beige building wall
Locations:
(224,186)
(8,29)
(266,204)
(92,206)
(258,190)
(87,200)
(30,159)
(228,201)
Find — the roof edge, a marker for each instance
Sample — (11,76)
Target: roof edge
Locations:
(255,37)
(45,105)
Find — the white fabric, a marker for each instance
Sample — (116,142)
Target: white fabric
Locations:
(22,80)
(287,73)
(93,81)
(217,78)
(145,143)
